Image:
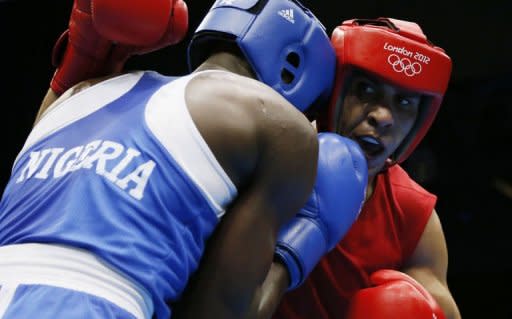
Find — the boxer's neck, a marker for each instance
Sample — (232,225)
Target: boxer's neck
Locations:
(228,62)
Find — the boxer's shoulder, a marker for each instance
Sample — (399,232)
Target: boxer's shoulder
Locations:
(240,119)
(239,98)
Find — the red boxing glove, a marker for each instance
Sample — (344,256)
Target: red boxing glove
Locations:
(395,295)
(103,34)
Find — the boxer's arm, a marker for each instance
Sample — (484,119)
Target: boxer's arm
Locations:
(48,99)
(429,265)
(239,255)
(332,208)
(268,297)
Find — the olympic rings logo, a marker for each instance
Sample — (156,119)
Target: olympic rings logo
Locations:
(404,65)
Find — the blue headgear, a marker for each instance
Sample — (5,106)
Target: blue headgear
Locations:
(285,44)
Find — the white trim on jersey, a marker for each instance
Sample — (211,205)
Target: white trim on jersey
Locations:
(69,268)
(7,291)
(168,118)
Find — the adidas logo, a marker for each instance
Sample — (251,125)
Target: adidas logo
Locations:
(287,14)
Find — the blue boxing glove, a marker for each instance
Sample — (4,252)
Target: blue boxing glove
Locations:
(334,205)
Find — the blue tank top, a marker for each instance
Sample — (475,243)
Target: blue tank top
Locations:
(120,169)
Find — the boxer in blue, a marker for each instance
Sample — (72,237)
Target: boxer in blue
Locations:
(129,186)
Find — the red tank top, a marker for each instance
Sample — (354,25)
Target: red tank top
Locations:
(384,236)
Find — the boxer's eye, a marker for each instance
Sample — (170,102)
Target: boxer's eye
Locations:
(365,91)
(409,103)
(403,101)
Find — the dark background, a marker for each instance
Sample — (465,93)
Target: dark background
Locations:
(465,159)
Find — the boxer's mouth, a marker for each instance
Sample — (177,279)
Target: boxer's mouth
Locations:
(370,145)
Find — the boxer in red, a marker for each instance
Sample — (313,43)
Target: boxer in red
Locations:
(393,261)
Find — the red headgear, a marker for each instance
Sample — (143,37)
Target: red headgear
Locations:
(398,52)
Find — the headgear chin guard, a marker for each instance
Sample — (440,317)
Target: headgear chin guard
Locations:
(397,52)
(285,44)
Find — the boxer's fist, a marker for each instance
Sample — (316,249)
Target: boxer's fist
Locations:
(332,208)
(103,34)
(394,295)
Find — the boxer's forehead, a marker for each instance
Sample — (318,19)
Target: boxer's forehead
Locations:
(360,76)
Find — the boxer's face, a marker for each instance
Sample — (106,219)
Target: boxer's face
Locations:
(378,116)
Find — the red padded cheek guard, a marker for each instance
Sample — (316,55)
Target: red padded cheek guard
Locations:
(403,57)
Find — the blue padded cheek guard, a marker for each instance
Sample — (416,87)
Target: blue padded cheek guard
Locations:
(282,37)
